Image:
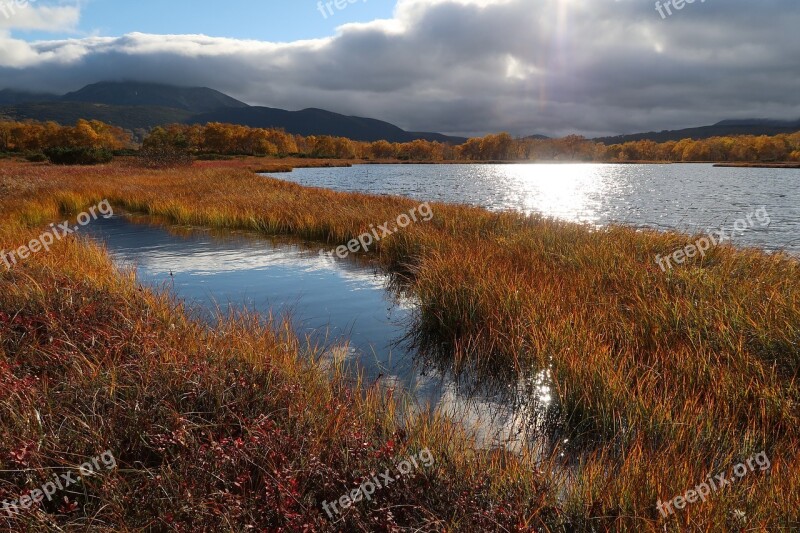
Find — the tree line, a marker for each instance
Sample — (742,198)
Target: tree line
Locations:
(189,141)
(230,139)
(40,136)
(87,142)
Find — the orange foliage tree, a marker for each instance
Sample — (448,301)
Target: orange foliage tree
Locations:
(38,136)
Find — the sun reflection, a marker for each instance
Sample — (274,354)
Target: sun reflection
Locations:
(567,191)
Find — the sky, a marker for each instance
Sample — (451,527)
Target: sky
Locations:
(461,67)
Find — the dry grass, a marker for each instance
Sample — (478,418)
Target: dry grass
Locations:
(662,379)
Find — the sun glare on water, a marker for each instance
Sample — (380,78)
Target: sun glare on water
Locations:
(566,191)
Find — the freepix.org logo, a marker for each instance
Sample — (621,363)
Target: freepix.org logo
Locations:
(9,7)
(56,233)
(373,483)
(326,8)
(59,482)
(665,9)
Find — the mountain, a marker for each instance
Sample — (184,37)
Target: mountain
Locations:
(318,122)
(192,99)
(128,117)
(753,126)
(141,106)
(136,105)
(765,122)
(12,97)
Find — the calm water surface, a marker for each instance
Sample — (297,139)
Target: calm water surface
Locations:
(686,197)
(344,307)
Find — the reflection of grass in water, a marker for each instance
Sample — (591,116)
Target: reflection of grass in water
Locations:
(249,236)
(668,376)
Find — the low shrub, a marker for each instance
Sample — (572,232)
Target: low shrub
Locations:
(125,152)
(35,157)
(78,156)
(214,157)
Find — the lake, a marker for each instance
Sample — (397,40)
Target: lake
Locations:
(686,197)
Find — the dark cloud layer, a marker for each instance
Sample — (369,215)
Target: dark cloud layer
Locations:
(474,66)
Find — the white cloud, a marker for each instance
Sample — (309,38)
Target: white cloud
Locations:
(30,15)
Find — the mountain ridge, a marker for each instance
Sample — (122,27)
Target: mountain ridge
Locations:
(13,97)
(192,99)
(723,128)
(141,106)
(311,120)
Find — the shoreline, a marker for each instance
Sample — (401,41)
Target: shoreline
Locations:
(757,165)
(267,166)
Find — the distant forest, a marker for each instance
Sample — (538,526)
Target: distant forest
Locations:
(230,140)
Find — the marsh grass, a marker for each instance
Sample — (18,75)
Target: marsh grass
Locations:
(662,378)
(225,428)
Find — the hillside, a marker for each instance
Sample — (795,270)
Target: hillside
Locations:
(128,117)
(319,122)
(12,97)
(192,99)
(142,106)
(724,128)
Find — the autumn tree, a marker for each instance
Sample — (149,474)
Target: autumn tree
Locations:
(382,150)
(344,148)
(167,147)
(471,150)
